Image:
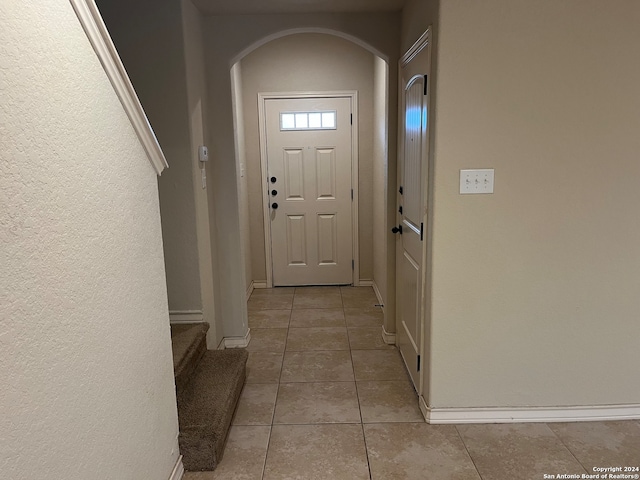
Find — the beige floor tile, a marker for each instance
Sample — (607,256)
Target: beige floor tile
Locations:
(361,301)
(367,338)
(259,292)
(357,291)
(378,365)
(369,317)
(267,340)
(417,451)
(243,458)
(327,402)
(317,297)
(317,338)
(264,367)
(256,404)
(333,366)
(519,450)
(269,318)
(270,302)
(314,452)
(317,317)
(599,444)
(388,402)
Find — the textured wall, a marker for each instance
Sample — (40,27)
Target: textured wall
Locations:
(85,355)
(309,62)
(535,288)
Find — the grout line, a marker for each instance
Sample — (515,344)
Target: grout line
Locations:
(468,452)
(567,447)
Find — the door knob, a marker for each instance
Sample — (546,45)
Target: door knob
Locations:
(397,229)
(274,205)
(274,193)
(273,179)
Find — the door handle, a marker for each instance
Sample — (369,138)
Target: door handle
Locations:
(397,229)
(274,193)
(274,205)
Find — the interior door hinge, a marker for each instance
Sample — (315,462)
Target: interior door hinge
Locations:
(400,190)
(353,264)
(421,231)
(400,209)
(352,194)
(426,82)
(418,363)
(352,119)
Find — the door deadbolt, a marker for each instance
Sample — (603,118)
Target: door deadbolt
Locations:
(274,193)
(274,205)
(273,179)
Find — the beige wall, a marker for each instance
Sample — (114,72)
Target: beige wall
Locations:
(384,180)
(198,126)
(535,288)
(242,174)
(85,363)
(309,62)
(152,50)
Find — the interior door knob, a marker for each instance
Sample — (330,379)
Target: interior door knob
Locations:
(397,229)
(274,205)
(274,193)
(273,179)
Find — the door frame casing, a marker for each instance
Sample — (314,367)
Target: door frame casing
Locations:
(262,98)
(424,42)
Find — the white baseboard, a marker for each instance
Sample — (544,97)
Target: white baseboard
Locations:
(178,470)
(595,413)
(389,338)
(250,289)
(261,284)
(376,290)
(365,283)
(186,316)
(237,342)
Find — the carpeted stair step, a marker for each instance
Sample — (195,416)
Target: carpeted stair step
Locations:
(206,406)
(189,343)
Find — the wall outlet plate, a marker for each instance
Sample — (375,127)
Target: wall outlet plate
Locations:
(476,181)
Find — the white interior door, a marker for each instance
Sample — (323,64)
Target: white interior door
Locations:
(309,156)
(412,195)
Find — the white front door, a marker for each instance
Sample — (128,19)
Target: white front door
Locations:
(412,194)
(309,155)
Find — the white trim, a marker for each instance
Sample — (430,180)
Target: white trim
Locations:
(178,470)
(365,283)
(296,31)
(259,284)
(250,289)
(353,96)
(389,338)
(376,290)
(586,413)
(186,316)
(416,48)
(96,31)
(238,342)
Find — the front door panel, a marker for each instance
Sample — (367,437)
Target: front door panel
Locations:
(309,167)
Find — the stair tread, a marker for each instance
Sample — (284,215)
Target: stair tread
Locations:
(185,342)
(206,405)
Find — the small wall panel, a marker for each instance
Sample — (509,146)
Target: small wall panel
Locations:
(296,240)
(293,174)
(327,239)
(326,173)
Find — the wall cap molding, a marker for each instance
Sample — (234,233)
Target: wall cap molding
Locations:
(186,316)
(578,413)
(95,29)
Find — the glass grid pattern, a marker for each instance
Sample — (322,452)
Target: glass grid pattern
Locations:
(325,120)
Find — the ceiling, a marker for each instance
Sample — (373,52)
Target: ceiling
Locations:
(249,7)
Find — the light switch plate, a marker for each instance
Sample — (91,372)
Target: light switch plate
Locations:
(476,181)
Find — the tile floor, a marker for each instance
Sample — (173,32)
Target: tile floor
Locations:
(325,398)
